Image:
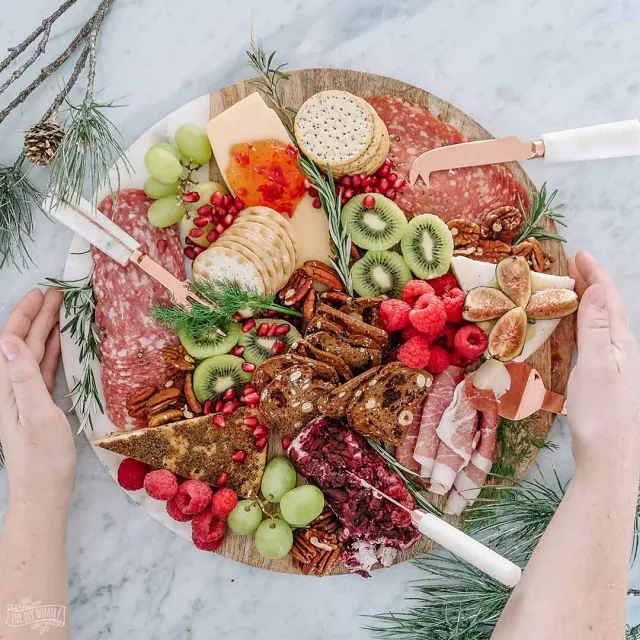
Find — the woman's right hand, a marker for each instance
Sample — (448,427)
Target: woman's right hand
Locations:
(602,393)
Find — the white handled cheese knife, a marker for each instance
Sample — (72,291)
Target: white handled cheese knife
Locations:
(612,140)
(458,542)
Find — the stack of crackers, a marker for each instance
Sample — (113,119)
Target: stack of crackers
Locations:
(342,131)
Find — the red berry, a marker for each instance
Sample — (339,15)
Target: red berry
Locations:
(207,546)
(238,350)
(260,431)
(282,329)
(439,359)
(216,198)
(212,236)
(368,202)
(443,283)
(219,405)
(383,185)
(229,394)
(428,314)
(458,360)
(261,443)
(230,407)
(415,352)
(198,250)
(208,407)
(313,192)
(188,241)
(247,325)
(278,347)
(399,184)
(239,204)
(221,212)
(193,496)
(263,329)
(175,512)
(226,201)
(391,194)
(392,177)
(316,203)
(192,196)
(453,301)
(190,253)
(272,329)
(131,474)
(286,443)
(368,189)
(228,220)
(206,210)
(207,526)
(239,456)
(219,420)
(394,315)
(414,289)
(383,171)
(447,335)
(349,193)
(470,341)
(161,484)
(222,479)
(250,421)
(356,181)
(223,502)
(248,367)
(219,228)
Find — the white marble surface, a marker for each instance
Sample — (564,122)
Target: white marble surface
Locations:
(518,67)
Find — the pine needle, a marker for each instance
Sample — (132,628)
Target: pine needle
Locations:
(541,207)
(633,633)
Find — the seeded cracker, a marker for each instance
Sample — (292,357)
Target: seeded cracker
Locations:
(334,128)
(218,263)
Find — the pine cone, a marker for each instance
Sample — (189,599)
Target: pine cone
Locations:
(42,141)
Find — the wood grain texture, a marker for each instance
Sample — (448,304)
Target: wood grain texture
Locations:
(552,360)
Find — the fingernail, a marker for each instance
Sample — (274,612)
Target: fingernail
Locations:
(9,349)
(597,296)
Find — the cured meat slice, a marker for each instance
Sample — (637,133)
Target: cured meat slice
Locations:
(471,479)
(404,451)
(439,398)
(469,192)
(131,343)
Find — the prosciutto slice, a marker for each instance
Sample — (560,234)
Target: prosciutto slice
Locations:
(404,451)
(439,398)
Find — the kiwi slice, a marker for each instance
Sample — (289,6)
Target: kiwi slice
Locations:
(257,348)
(427,246)
(378,227)
(210,344)
(380,272)
(213,376)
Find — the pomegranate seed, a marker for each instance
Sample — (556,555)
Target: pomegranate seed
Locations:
(272,329)
(229,408)
(343,199)
(222,479)
(221,212)
(307,184)
(198,250)
(216,198)
(229,394)
(248,367)
(212,236)
(383,171)
(239,456)
(220,228)
(383,185)
(239,204)
(270,313)
(251,398)
(189,241)
(349,193)
(368,202)
(282,329)
(356,181)
(263,329)
(285,442)
(228,220)
(399,183)
(218,420)
(368,189)
(219,406)
(278,347)
(247,325)
(237,316)
(205,210)
(316,203)
(208,407)
(392,177)
(200,222)
(226,201)
(190,253)
(374,181)
(261,443)
(248,389)
(391,194)
(196,233)
(192,196)
(346,181)
(313,192)
(260,431)
(387,162)
(250,421)
(238,350)
(366,181)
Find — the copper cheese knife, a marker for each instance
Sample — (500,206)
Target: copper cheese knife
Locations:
(613,140)
(459,543)
(98,230)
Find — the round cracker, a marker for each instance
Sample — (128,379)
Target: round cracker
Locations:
(252,256)
(373,151)
(217,263)
(254,213)
(274,268)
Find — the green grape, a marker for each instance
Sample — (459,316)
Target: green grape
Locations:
(162,164)
(278,478)
(171,148)
(245,517)
(302,505)
(156,189)
(274,539)
(193,143)
(206,190)
(166,211)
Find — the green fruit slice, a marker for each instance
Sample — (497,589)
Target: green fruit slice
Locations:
(380,272)
(427,246)
(257,348)
(213,376)
(211,344)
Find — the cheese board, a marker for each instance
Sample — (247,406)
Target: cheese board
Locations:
(232,116)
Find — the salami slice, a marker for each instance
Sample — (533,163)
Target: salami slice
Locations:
(469,192)
(131,342)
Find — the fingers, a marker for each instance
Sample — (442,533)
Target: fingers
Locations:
(42,324)
(581,285)
(594,336)
(25,312)
(49,362)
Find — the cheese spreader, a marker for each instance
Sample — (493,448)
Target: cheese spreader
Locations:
(612,140)
(456,541)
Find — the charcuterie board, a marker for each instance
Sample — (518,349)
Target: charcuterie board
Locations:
(552,360)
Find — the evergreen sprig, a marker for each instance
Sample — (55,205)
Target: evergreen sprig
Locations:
(541,207)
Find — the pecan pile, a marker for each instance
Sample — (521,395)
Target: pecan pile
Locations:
(317,550)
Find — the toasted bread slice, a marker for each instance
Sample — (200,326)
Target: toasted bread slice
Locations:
(197,449)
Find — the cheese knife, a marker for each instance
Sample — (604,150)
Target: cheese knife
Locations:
(612,140)
(456,541)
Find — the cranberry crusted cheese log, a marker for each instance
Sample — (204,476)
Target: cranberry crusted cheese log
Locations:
(130,341)
(468,193)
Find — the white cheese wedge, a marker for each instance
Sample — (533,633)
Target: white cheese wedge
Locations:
(472,273)
(250,120)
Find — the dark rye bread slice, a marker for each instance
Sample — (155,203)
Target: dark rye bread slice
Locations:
(386,408)
(336,403)
(270,368)
(367,309)
(197,449)
(305,349)
(349,324)
(357,358)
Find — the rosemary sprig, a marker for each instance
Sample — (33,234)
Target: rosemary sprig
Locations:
(633,633)
(79,305)
(228,298)
(541,207)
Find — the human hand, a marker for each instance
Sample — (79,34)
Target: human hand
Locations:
(35,433)
(602,392)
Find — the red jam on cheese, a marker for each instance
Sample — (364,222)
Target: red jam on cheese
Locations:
(266,173)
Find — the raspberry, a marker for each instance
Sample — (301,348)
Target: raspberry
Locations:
(175,512)
(439,359)
(161,484)
(193,496)
(446,336)
(394,315)
(414,289)
(131,474)
(428,314)
(412,332)
(443,283)
(415,352)
(212,546)
(453,301)
(458,360)
(223,502)
(470,341)
(207,527)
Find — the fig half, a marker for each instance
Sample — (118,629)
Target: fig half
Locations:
(485,303)
(507,338)
(550,304)
(514,279)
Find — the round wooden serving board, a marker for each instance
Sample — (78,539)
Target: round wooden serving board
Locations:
(552,360)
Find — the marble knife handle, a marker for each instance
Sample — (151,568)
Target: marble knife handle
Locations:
(469,549)
(613,140)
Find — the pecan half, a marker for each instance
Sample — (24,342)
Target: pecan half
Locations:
(502,224)
(491,251)
(328,560)
(532,250)
(309,306)
(166,417)
(321,539)
(137,403)
(296,288)
(190,395)
(463,232)
(162,400)
(323,273)
(178,358)
(302,549)
(469,250)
